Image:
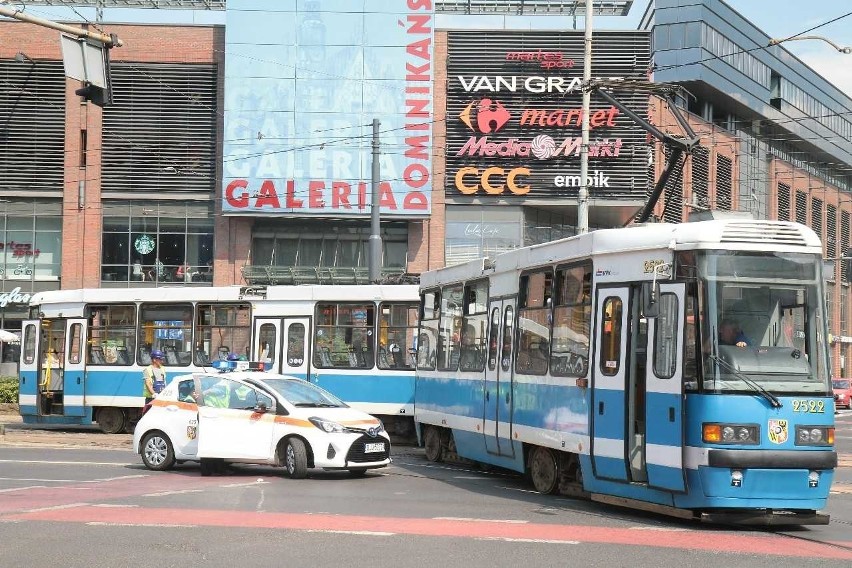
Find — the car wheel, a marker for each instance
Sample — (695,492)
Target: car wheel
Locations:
(296,458)
(157,452)
(357,472)
(432,444)
(112,420)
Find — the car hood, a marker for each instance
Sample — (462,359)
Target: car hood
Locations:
(343,416)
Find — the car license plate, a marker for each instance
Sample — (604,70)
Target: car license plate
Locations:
(373,448)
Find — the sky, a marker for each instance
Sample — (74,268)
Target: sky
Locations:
(777,18)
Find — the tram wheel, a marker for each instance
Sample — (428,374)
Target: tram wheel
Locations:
(544,470)
(111,420)
(432,444)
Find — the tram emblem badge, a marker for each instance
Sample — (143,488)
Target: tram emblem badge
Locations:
(777,431)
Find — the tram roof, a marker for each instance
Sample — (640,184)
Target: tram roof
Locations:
(739,233)
(378,292)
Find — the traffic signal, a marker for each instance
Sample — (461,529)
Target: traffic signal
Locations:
(96,95)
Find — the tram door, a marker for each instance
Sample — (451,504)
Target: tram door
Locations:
(51,367)
(609,374)
(75,367)
(283,343)
(664,391)
(497,422)
(29,366)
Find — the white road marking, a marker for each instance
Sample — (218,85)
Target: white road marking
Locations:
(249,484)
(120,477)
(22,488)
(175,492)
(57,507)
(113,506)
(360,533)
(155,525)
(662,529)
(48,462)
(471,520)
(529,540)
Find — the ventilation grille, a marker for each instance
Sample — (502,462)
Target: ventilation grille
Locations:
(723,182)
(783,202)
(816,216)
(700,177)
(757,231)
(673,209)
(844,245)
(831,231)
(32,126)
(160,133)
(801,208)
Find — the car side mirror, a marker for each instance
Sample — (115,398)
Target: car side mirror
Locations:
(261,408)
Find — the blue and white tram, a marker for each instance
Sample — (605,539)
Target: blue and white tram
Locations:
(83,351)
(599,366)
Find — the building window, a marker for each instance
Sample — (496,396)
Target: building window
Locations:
(157,243)
(334,244)
(476,232)
(30,242)
(723,182)
(783,202)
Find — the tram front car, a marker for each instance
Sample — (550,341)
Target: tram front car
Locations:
(760,427)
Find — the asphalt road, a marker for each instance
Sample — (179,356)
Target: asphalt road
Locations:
(80,498)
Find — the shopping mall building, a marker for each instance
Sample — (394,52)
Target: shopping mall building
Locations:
(238,146)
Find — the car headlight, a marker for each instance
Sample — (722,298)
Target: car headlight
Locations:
(327,425)
(814,436)
(714,433)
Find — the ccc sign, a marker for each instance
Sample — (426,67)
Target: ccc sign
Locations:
(493,180)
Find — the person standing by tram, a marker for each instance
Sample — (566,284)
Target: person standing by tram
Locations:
(153,376)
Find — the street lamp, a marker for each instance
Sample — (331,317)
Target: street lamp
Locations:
(846,50)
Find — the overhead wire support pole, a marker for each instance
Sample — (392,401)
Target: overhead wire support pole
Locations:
(583,193)
(375,211)
(107,40)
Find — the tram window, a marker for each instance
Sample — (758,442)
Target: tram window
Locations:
(74,347)
(427,340)
(344,336)
(690,340)
(492,339)
(112,334)
(508,335)
(29,344)
(168,328)
(221,329)
(534,319)
(449,328)
(266,341)
(665,337)
(572,320)
(296,344)
(397,336)
(474,325)
(610,361)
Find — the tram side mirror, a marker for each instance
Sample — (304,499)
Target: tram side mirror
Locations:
(650,299)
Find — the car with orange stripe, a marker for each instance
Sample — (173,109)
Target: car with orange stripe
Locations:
(257,417)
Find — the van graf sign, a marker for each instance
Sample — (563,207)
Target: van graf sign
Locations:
(517,129)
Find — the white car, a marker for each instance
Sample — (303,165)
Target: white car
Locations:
(260,418)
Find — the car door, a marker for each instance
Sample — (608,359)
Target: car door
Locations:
(180,410)
(229,427)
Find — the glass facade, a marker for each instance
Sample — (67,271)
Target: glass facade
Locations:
(31,245)
(157,243)
(479,231)
(327,244)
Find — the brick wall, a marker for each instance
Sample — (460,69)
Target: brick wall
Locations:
(82,219)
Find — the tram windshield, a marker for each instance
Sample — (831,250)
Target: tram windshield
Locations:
(762,322)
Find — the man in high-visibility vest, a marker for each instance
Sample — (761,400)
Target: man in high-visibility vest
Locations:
(153,376)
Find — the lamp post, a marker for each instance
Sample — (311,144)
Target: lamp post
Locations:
(841,49)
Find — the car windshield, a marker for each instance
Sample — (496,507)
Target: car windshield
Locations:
(844,384)
(301,393)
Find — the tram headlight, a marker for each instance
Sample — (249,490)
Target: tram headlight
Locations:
(814,436)
(714,433)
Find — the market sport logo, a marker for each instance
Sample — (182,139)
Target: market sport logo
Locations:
(491,116)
